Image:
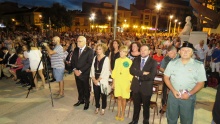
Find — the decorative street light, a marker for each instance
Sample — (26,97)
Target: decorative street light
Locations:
(41,23)
(109,20)
(92,18)
(158,7)
(179,27)
(174,31)
(171,16)
(125,25)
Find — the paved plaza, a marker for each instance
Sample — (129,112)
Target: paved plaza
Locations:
(37,108)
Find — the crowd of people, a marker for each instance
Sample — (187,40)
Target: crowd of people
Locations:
(132,61)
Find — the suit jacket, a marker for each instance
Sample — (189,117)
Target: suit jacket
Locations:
(5,60)
(13,59)
(84,62)
(146,81)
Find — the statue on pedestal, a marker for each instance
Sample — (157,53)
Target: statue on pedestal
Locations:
(187,28)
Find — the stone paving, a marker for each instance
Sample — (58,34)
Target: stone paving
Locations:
(37,108)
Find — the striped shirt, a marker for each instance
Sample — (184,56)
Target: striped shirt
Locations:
(57,60)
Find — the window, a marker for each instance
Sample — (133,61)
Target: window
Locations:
(146,17)
(146,23)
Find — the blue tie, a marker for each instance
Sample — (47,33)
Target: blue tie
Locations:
(142,63)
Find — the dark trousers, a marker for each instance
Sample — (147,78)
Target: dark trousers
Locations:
(98,94)
(83,89)
(138,99)
(18,73)
(164,97)
(68,67)
(26,77)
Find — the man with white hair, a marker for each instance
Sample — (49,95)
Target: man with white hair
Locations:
(81,64)
(202,49)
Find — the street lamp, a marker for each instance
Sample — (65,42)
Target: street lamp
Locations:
(109,20)
(171,16)
(158,7)
(174,31)
(92,18)
(125,24)
(40,21)
(179,26)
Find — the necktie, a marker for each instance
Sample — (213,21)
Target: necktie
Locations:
(80,52)
(142,63)
(70,57)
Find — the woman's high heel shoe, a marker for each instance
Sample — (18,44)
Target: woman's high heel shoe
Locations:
(117,118)
(121,119)
(96,110)
(103,112)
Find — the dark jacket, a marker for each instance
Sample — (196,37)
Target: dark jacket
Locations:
(216,108)
(84,62)
(5,60)
(140,82)
(12,60)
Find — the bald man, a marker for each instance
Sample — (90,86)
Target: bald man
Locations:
(81,63)
(57,63)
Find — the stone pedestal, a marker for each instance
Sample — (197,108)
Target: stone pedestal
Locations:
(196,36)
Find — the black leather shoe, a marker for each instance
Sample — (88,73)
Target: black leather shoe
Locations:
(25,85)
(78,103)
(86,106)
(18,82)
(133,122)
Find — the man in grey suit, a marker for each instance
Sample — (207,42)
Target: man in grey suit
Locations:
(81,63)
(144,70)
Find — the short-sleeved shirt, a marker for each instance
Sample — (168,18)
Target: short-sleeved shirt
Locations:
(185,76)
(201,52)
(166,60)
(26,64)
(57,60)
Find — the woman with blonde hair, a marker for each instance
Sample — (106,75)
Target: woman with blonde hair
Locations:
(122,81)
(100,74)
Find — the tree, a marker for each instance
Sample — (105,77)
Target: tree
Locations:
(58,15)
(100,19)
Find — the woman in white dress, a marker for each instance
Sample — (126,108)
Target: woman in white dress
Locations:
(34,55)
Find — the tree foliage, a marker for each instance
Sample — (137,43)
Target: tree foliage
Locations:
(100,18)
(58,16)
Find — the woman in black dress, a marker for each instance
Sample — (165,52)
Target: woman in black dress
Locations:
(114,54)
(100,74)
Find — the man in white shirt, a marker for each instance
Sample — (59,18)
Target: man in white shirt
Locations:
(201,51)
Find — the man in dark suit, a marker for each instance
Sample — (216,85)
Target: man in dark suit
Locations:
(11,61)
(144,70)
(4,59)
(81,63)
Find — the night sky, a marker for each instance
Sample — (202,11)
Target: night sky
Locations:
(69,4)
